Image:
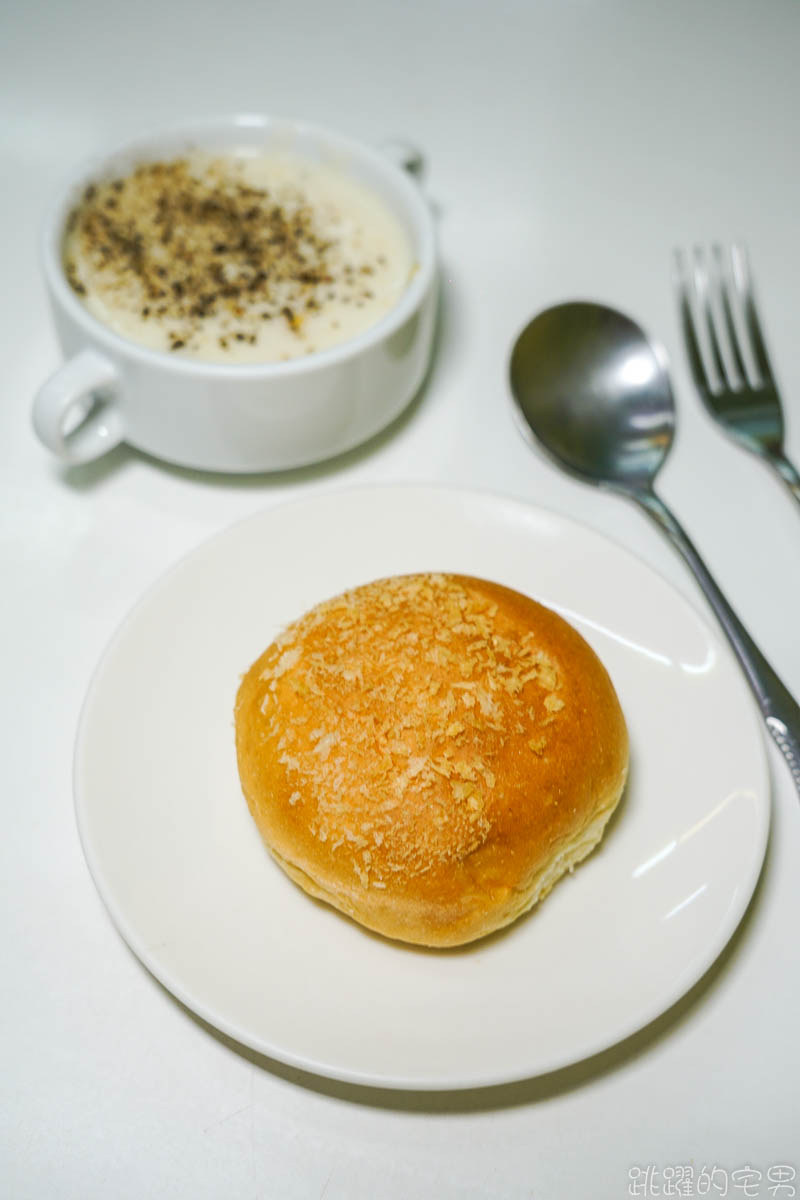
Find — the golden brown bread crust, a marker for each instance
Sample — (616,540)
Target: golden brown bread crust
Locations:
(430,753)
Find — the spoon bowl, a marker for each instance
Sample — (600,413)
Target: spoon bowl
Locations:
(595,394)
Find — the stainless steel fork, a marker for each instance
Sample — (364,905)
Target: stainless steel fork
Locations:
(727,355)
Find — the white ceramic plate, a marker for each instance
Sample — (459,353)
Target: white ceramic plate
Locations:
(184,874)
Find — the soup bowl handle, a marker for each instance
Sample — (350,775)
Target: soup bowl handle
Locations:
(76,412)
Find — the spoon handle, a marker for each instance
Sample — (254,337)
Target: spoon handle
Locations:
(781,711)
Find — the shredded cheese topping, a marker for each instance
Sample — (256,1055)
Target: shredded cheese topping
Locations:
(428,683)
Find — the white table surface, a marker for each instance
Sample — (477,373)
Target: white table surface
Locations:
(569,147)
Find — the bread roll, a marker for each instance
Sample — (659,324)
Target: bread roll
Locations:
(430,753)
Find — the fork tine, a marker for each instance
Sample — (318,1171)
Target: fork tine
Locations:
(741,276)
(727,310)
(703,285)
(696,364)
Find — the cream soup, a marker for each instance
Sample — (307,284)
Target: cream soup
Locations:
(242,258)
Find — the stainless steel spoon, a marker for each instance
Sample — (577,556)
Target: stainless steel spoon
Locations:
(596,395)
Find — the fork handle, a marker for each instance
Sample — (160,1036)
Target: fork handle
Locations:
(788,474)
(779,708)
